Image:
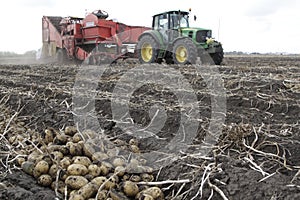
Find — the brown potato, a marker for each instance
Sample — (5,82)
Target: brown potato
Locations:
(82,160)
(45,180)
(65,162)
(102,195)
(53,170)
(117,195)
(99,156)
(119,162)
(75,182)
(130,188)
(88,149)
(70,130)
(75,149)
(77,169)
(147,177)
(99,180)
(77,138)
(60,185)
(54,147)
(133,142)
(60,139)
(120,170)
(57,155)
(40,168)
(76,197)
(49,136)
(94,170)
(88,190)
(155,192)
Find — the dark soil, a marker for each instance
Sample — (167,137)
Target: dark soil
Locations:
(262,111)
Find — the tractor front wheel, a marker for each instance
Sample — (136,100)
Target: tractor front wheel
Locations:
(218,56)
(184,51)
(147,49)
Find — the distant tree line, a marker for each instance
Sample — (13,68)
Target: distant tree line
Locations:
(13,54)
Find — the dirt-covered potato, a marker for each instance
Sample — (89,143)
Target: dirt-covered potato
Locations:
(133,142)
(61,148)
(77,169)
(117,195)
(82,160)
(65,162)
(45,180)
(134,148)
(154,192)
(77,138)
(60,185)
(35,157)
(88,190)
(119,162)
(147,177)
(20,160)
(76,197)
(94,170)
(105,167)
(99,156)
(102,195)
(70,130)
(75,149)
(49,136)
(28,167)
(60,139)
(53,170)
(88,149)
(40,168)
(130,188)
(135,178)
(120,170)
(99,180)
(75,182)
(57,155)
(144,197)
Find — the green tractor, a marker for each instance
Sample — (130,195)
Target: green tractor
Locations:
(172,40)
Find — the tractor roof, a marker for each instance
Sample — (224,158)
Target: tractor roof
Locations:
(173,11)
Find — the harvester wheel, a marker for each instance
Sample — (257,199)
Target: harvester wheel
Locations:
(218,57)
(147,49)
(184,51)
(61,56)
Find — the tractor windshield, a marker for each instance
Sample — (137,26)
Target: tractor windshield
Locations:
(179,20)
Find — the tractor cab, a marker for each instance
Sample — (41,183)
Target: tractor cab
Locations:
(170,23)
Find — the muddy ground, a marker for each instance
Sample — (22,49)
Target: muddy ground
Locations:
(256,156)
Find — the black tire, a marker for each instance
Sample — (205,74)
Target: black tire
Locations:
(184,51)
(218,56)
(61,56)
(147,49)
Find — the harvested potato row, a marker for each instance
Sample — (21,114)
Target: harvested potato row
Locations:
(87,171)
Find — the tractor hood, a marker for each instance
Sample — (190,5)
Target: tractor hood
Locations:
(200,35)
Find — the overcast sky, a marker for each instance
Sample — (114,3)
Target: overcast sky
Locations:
(241,25)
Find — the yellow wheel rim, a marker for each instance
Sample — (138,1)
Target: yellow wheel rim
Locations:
(146,52)
(181,54)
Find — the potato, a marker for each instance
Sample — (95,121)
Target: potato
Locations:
(133,142)
(134,148)
(35,157)
(45,180)
(135,178)
(53,170)
(88,149)
(54,147)
(75,149)
(82,160)
(94,170)
(57,155)
(49,136)
(147,177)
(77,138)
(28,167)
(119,162)
(120,170)
(40,168)
(65,162)
(60,185)
(60,139)
(102,195)
(99,180)
(130,189)
(155,192)
(70,130)
(88,190)
(117,195)
(142,196)
(20,160)
(76,197)
(77,169)
(105,168)
(99,156)
(75,182)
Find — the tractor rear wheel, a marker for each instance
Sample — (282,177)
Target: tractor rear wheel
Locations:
(184,51)
(147,49)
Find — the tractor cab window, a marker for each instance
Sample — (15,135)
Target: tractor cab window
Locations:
(177,21)
(160,22)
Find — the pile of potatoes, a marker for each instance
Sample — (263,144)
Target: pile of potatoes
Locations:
(82,168)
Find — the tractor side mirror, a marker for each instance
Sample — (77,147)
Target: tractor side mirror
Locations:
(195,18)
